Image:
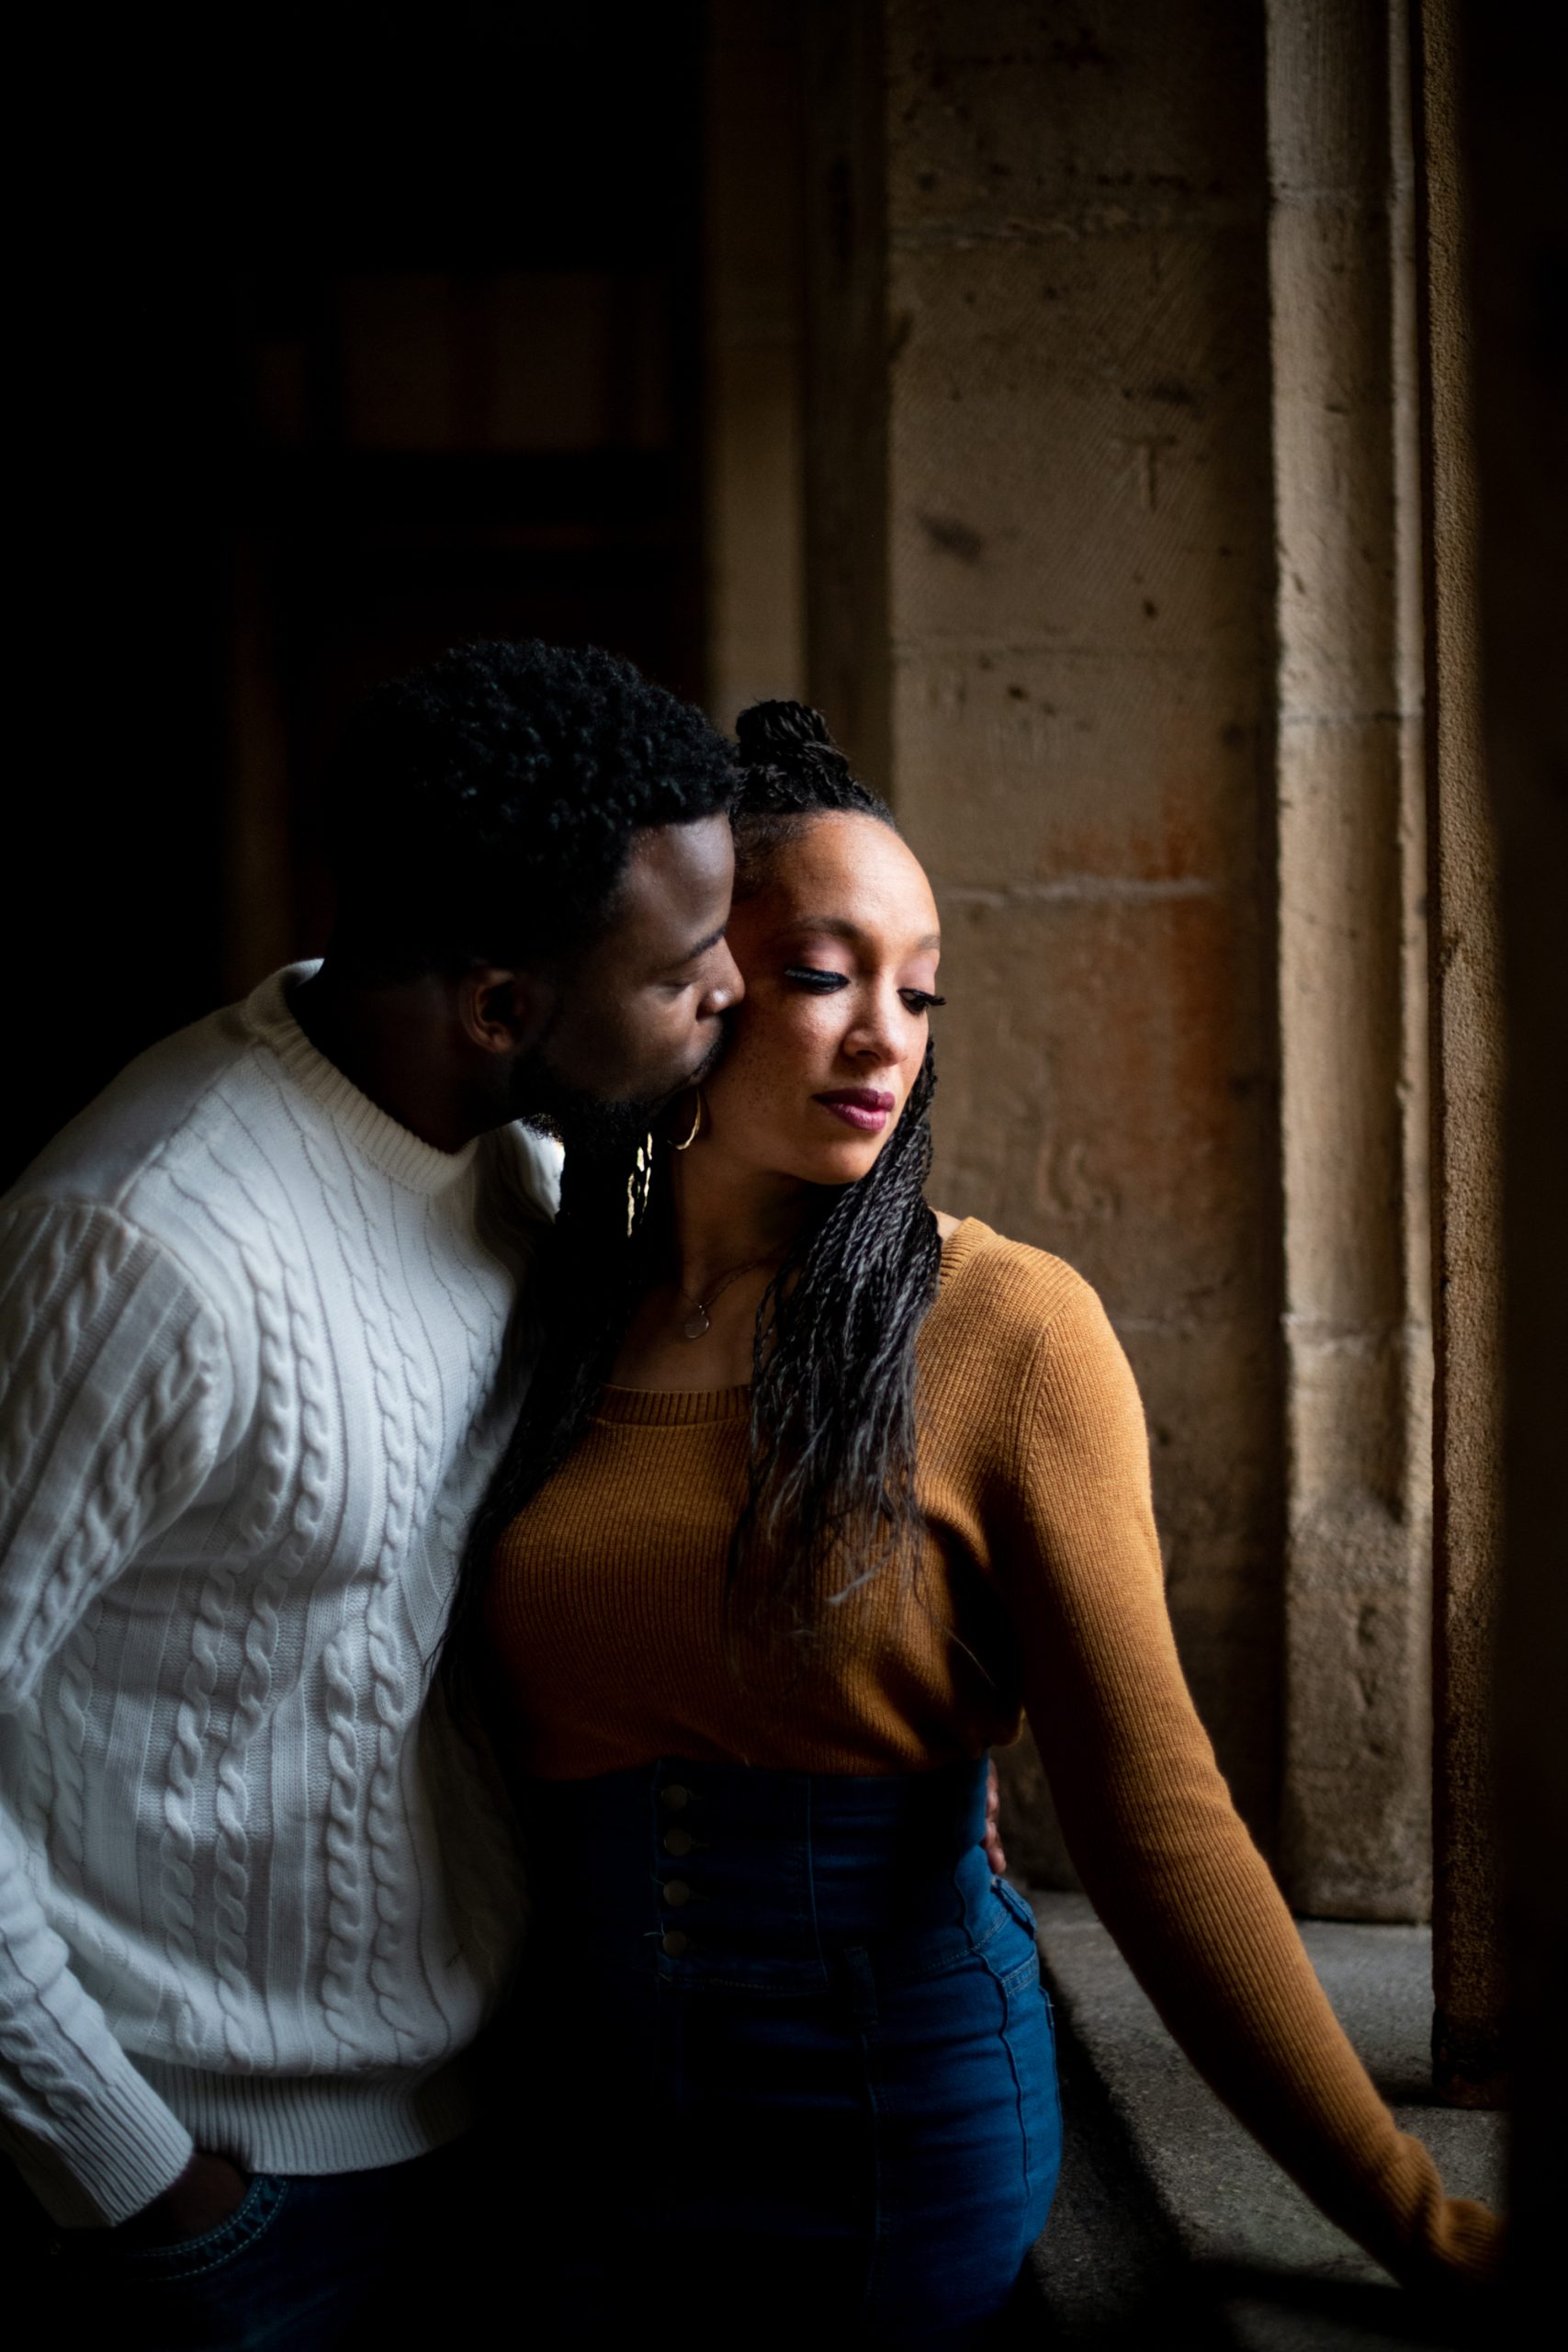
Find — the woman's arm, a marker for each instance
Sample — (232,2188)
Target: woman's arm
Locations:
(1153,1832)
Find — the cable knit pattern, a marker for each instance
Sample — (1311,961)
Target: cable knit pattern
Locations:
(253,1344)
(397,1388)
(293,1394)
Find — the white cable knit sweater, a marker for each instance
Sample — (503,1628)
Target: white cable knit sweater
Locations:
(253,1340)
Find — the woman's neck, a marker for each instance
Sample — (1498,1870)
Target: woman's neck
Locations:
(729,1230)
(724,1217)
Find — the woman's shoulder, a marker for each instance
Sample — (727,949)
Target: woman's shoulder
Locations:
(1018,1350)
(1010,1296)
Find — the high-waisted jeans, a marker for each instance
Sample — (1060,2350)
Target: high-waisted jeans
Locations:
(789,2055)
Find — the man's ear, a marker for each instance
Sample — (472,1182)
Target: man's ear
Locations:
(504,1012)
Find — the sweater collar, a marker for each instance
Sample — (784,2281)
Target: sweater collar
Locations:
(389,1146)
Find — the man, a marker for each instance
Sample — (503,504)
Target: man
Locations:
(259,1356)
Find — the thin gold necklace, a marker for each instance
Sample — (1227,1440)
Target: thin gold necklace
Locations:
(699,1323)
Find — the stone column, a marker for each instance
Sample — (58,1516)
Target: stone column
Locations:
(1509,99)
(1041,609)
(752,306)
(1467,1131)
(1352,962)
(847,390)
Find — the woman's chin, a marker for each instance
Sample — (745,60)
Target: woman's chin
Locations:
(842,1163)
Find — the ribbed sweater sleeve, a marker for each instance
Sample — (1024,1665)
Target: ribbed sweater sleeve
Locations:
(112,1395)
(1150,1824)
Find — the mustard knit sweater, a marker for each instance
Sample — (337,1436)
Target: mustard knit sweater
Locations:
(1041,1588)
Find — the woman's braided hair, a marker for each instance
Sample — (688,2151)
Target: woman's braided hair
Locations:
(830,1497)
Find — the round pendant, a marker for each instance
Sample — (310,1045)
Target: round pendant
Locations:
(697,1326)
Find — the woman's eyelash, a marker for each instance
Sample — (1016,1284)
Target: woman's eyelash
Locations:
(812,976)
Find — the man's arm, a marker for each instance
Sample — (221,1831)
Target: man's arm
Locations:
(113,1389)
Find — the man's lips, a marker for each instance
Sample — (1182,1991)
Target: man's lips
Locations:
(865,1107)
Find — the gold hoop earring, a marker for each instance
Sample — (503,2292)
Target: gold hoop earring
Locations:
(696,1125)
(640,1185)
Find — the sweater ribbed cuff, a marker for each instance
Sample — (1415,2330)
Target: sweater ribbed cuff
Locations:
(121,2148)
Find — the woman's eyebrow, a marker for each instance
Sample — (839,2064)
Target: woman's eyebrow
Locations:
(840,927)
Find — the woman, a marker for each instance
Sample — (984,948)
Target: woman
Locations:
(819,1489)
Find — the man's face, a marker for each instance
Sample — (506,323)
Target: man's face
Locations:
(640,1016)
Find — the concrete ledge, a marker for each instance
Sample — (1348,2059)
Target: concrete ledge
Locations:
(1170,2224)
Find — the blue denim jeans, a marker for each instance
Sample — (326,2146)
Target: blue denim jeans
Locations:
(786,2039)
(306,2263)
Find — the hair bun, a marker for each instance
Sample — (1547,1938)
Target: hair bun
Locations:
(789,765)
(782,734)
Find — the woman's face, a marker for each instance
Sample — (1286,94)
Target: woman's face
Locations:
(839,951)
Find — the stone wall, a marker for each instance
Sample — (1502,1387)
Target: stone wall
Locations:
(1134,545)
(1076,541)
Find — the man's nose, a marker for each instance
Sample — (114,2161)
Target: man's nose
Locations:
(725,989)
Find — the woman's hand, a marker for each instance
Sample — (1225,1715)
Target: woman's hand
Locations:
(994,1853)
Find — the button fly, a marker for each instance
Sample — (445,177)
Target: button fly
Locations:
(678,1841)
(674,1943)
(676,1893)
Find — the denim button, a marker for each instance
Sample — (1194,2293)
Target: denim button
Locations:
(675,1943)
(677,1891)
(675,1799)
(678,1841)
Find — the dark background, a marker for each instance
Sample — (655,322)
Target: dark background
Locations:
(348,336)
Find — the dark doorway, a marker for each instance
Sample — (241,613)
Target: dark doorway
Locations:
(362,333)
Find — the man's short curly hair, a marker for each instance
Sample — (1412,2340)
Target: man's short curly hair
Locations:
(484,807)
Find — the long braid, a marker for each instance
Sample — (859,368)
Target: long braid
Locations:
(830,1499)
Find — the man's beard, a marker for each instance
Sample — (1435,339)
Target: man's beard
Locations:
(586,1123)
(587,1126)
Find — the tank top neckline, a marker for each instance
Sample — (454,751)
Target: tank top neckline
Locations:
(689,1407)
